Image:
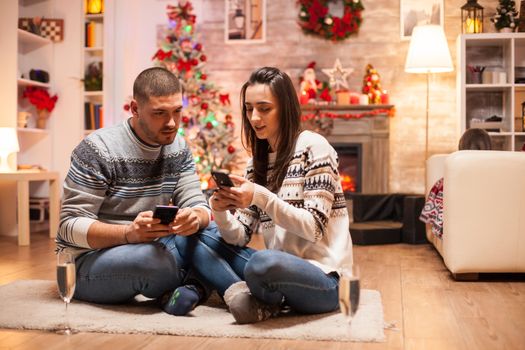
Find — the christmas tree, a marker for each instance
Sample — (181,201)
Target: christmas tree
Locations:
(206,122)
(506,15)
(372,85)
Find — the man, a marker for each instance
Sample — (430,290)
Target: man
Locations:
(117,176)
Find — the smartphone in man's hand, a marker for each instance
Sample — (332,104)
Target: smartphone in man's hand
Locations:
(222,179)
(166,213)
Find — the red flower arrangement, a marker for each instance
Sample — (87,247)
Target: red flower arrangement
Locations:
(314,18)
(40,98)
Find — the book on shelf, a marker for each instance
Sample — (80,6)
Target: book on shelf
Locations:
(93,116)
(94,34)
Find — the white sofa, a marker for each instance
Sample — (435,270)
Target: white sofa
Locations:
(484,211)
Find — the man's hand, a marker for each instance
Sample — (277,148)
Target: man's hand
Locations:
(145,228)
(187,222)
(240,196)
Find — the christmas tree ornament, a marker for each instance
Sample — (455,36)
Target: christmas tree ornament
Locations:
(338,75)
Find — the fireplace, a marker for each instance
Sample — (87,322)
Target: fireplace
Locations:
(362,142)
(350,166)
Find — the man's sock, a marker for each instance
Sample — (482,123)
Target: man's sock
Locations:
(182,300)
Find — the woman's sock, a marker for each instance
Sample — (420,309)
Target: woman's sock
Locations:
(182,300)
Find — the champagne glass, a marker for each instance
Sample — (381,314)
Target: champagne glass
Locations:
(349,291)
(66,280)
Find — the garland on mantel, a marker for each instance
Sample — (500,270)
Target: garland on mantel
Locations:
(329,115)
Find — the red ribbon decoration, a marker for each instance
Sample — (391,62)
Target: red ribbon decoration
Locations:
(161,55)
(183,65)
(225,99)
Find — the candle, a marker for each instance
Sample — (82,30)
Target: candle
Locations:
(303,99)
(472,25)
(363,99)
(354,99)
(384,97)
(343,97)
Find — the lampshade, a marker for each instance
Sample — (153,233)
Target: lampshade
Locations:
(9,139)
(9,144)
(428,51)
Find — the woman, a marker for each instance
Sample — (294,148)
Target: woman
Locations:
(432,213)
(293,196)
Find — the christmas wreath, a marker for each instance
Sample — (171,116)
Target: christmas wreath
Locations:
(314,18)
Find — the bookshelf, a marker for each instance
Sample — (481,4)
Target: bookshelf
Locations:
(34,52)
(93,66)
(498,91)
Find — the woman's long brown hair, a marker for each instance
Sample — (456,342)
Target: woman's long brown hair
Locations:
(289,125)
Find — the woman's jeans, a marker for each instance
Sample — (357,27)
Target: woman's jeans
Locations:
(271,275)
(217,262)
(117,274)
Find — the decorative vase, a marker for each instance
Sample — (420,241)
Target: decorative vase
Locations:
(41,120)
(506,30)
(22,119)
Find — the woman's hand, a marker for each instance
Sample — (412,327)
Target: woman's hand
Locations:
(240,196)
(186,223)
(145,228)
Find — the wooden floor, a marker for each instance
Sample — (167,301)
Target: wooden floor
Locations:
(428,308)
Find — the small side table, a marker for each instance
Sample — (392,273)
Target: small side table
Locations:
(22,178)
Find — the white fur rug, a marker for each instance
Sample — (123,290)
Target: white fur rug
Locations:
(34,304)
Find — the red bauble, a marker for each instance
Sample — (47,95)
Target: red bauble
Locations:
(231,149)
(209,125)
(203,76)
(194,62)
(185,120)
(204,105)
(198,47)
(203,58)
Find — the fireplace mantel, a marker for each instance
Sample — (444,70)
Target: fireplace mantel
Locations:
(370,130)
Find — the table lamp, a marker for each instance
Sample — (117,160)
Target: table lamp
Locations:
(428,53)
(8,145)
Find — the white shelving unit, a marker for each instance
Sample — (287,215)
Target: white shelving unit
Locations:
(498,91)
(34,52)
(27,82)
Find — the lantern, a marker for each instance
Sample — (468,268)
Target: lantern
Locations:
(472,17)
(95,6)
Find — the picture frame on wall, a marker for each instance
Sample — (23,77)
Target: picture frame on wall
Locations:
(245,21)
(50,28)
(417,12)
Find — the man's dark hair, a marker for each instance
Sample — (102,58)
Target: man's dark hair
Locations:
(155,81)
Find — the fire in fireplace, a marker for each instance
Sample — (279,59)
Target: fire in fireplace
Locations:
(350,165)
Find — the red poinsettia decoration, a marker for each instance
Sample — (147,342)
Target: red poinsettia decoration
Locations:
(40,98)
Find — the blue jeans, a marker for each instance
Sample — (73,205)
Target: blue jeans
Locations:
(274,276)
(220,264)
(117,274)
(271,275)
